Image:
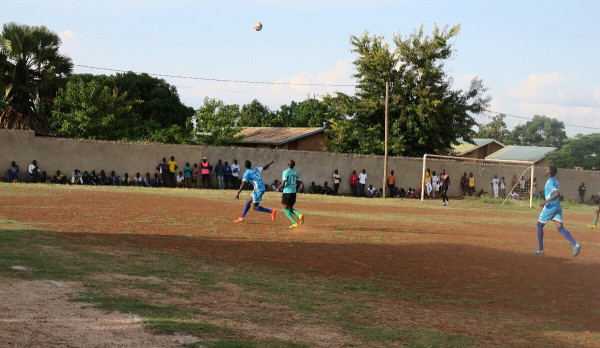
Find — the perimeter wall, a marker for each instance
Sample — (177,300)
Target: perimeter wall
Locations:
(66,154)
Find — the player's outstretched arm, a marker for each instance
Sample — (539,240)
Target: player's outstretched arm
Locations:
(267,165)
(237,195)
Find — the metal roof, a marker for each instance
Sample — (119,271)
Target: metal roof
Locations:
(521,153)
(465,147)
(275,135)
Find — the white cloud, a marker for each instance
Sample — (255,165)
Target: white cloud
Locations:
(464,82)
(71,43)
(539,87)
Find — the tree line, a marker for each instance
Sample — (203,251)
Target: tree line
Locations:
(427,114)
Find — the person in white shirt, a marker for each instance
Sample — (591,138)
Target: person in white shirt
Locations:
(371,191)
(503,187)
(180,179)
(235,174)
(362,182)
(495,186)
(34,172)
(336,182)
(435,182)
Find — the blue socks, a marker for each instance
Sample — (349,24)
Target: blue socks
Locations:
(262,209)
(246,208)
(540,235)
(567,235)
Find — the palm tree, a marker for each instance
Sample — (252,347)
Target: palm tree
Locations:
(31,71)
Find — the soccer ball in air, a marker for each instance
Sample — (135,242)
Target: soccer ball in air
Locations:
(257,26)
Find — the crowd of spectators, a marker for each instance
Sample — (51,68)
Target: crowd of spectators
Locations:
(224,175)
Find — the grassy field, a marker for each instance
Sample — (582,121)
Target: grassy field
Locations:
(360,272)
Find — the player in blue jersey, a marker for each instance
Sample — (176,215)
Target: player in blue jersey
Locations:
(552,211)
(288,199)
(252,175)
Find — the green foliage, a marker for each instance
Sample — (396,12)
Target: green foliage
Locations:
(154,111)
(425,114)
(215,123)
(540,131)
(308,113)
(580,151)
(495,129)
(31,71)
(94,112)
(256,114)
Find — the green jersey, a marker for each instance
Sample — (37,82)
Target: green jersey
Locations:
(290,176)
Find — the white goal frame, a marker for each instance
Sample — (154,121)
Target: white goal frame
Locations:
(463,159)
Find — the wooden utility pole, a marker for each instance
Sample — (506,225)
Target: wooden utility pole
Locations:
(385,155)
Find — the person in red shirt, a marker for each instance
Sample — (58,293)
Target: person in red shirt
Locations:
(354,183)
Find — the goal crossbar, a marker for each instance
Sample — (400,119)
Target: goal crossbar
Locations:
(484,161)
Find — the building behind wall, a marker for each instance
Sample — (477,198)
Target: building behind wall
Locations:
(283,138)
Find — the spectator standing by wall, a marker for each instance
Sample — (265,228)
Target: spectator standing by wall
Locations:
(172,167)
(495,186)
(362,182)
(336,182)
(226,174)
(195,173)
(435,182)
(163,169)
(464,183)
(219,173)
(582,192)
(354,183)
(391,183)
(428,183)
(472,184)
(12,173)
(235,173)
(444,187)
(187,174)
(502,188)
(205,171)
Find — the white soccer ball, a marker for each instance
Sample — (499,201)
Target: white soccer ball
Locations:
(257,26)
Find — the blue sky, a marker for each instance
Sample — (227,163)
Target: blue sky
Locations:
(536,57)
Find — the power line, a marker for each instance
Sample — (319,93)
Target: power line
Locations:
(222,80)
(531,118)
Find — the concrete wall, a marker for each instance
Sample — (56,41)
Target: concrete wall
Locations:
(66,154)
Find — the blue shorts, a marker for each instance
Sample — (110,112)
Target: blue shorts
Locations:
(257,196)
(550,214)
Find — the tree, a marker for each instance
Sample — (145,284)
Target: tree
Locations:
(495,129)
(31,71)
(256,114)
(215,123)
(580,151)
(156,113)
(540,131)
(425,114)
(307,113)
(94,112)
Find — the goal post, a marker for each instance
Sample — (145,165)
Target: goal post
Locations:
(515,178)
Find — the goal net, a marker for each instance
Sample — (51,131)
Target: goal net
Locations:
(474,177)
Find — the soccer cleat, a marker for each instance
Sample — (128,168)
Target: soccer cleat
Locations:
(240,219)
(273,215)
(293,226)
(538,252)
(301,218)
(592,226)
(576,249)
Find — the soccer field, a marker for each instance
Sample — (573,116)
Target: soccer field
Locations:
(359,272)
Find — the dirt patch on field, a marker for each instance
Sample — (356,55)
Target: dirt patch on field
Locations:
(39,314)
(469,263)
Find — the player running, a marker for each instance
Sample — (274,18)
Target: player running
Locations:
(288,199)
(252,175)
(552,211)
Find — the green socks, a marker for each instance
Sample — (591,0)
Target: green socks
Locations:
(596,220)
(288,213)
(297,213)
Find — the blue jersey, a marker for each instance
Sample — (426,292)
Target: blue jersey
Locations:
(252,175)
(551,186)
(290,176)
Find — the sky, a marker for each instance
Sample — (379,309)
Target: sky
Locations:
(535,57)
